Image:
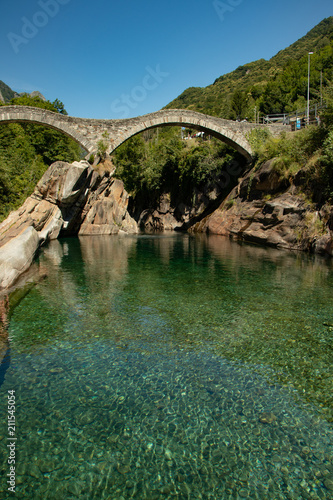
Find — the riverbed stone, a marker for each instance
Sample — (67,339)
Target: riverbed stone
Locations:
(328,483)
(267,417)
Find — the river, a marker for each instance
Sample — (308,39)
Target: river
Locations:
(171,366)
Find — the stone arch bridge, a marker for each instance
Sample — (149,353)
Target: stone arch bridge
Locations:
(88,132)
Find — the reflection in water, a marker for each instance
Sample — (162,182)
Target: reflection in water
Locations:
(97,253)
(173,366)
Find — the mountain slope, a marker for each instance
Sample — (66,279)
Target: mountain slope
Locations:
(253,78)
(7,94)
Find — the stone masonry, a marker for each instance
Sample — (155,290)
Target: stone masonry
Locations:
(88,132)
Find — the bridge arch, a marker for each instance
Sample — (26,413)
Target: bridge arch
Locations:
(39,116)
(224,130)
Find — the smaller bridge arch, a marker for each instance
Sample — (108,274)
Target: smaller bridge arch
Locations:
(39,116)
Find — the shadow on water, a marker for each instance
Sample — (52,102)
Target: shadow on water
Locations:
(4,366)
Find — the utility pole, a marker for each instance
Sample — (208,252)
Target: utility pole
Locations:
(308,107)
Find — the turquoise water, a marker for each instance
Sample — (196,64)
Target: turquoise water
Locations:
(172,367)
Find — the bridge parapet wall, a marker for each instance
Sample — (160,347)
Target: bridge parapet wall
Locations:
(88,132)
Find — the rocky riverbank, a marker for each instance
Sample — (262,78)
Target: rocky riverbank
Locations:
(76,199)
(69,199)
(269,209)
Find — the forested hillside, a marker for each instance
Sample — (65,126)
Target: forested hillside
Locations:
(26,151)
(275,86)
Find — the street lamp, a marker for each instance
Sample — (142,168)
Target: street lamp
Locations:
(308,108)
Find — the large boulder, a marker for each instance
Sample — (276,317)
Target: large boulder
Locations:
(266,179)
(62,183)
(17,255)
(44,216)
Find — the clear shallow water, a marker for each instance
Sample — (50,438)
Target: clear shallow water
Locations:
(158,367)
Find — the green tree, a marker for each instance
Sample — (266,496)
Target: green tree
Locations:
(161,162)
(26,151)
(36,102)
(59,106)
(239,104)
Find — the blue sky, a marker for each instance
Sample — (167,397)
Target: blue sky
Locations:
(108,59)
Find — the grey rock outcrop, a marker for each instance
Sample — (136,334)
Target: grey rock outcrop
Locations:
(69,199)
(165,217)
(170,215)
(36,93)
(106,212)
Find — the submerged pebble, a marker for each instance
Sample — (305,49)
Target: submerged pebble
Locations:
(328,483)
(267,418)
